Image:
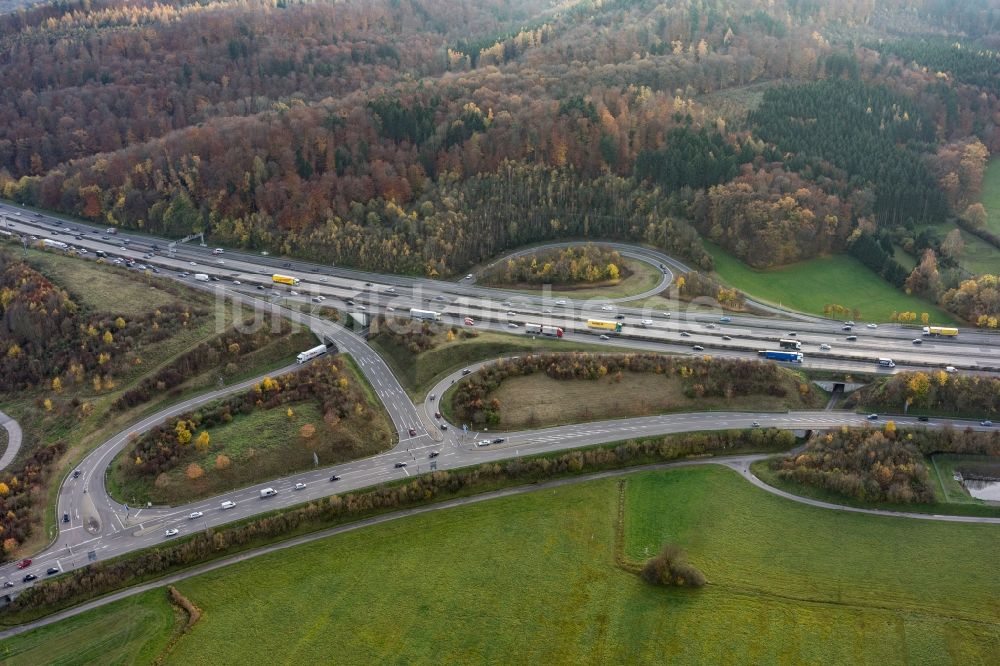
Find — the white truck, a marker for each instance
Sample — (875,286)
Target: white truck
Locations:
(59,245)
(268,492)
(887,363)
(425,314)
(308,354)
(201,277)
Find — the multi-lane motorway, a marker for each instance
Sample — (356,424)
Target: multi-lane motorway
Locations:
(98,527)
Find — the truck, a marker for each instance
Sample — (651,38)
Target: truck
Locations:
(552,331)
(425,314)
(945,331)
(887,363)
(308,354)
(59,245)
(786,356)
(201,277)
(111,230)
(268,492)
(790,344)
(284,279)
(600,325)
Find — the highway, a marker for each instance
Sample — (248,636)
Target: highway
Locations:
(99,528)
(13,429)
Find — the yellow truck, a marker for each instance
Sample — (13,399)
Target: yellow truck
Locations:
(941,330)
(284,279)
(615,326)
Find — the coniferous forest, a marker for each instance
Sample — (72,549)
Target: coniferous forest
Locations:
(425,136)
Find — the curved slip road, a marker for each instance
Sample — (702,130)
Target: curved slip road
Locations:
(13,429)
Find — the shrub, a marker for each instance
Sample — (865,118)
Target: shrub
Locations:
(671,568)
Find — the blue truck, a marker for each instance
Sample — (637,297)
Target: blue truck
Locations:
(787,356)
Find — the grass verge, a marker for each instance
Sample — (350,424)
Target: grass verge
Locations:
(991,196)
(809,285)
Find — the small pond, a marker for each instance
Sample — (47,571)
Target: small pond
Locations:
(984,490)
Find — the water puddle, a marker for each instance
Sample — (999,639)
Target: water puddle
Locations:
(982,489)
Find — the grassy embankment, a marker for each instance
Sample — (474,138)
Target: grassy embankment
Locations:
(991,196)
(262,445)
(537,400)
(809,285)
(641,277)
(789,584)
(129,293)
(419,372)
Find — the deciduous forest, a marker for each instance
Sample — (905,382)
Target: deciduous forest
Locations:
(424,136)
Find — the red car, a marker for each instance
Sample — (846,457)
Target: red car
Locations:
(24,564)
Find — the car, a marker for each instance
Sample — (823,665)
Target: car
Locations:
(604,337)
(466,371)
(228,504)
(316,299)
(287,264)
(323,279)
(620,317)
(8,583)
(872,326)
(498,440)
(390,309)
(190,262)
(260,287)
(400,465)
(469,276)
(608,308)
(294,293)
(873,417)
(76,474)
(65,517)
(390,290)
(710,326)
(685,334)
(350,301)
(432,396)
(24,564)
(220,261)
(52,571)
(444,426)
(437,415)
(851,338)
(194,515)
(299,486)
(917,341)
(105,237)
(987,424)
(173,531)
(335,477)
(184,274)
(791,334)
(30,577)
(77,237)
(755,424)
(847,328)
(413,432)
(506,304)
(439,297)
(922,419)
(725,320)
(824,347)
(218,250)
(727,337)
(124,249)
(849,323)
(698,348)
(483,442)
(560,302)
(950,369)
(433,454)
(368,284)
(511,313)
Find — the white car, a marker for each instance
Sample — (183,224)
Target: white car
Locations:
(190,262)
(824,347)
(316,299)
(646,322)
(228,504)
(300,486)
(294,293)
(172,532)
(512,325)
(872,325)
(950,369)
(194,515)
(604,337)
(469,276)
(666,314)
(237,282)
(219,261)
(511,313)
(390,290)
(560,302)
(608,308)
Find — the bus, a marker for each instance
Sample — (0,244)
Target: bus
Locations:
(790,344)
(284,279)
(614,326)
(425,314)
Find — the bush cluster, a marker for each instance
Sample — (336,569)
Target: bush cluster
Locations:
(16,495)
(577,264)
(103,577)
(671,568)
(701,377)
(936,391)
(868,465)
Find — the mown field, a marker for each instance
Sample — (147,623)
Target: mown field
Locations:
(809,285)
(533,579)
(537,400)
(991,195)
